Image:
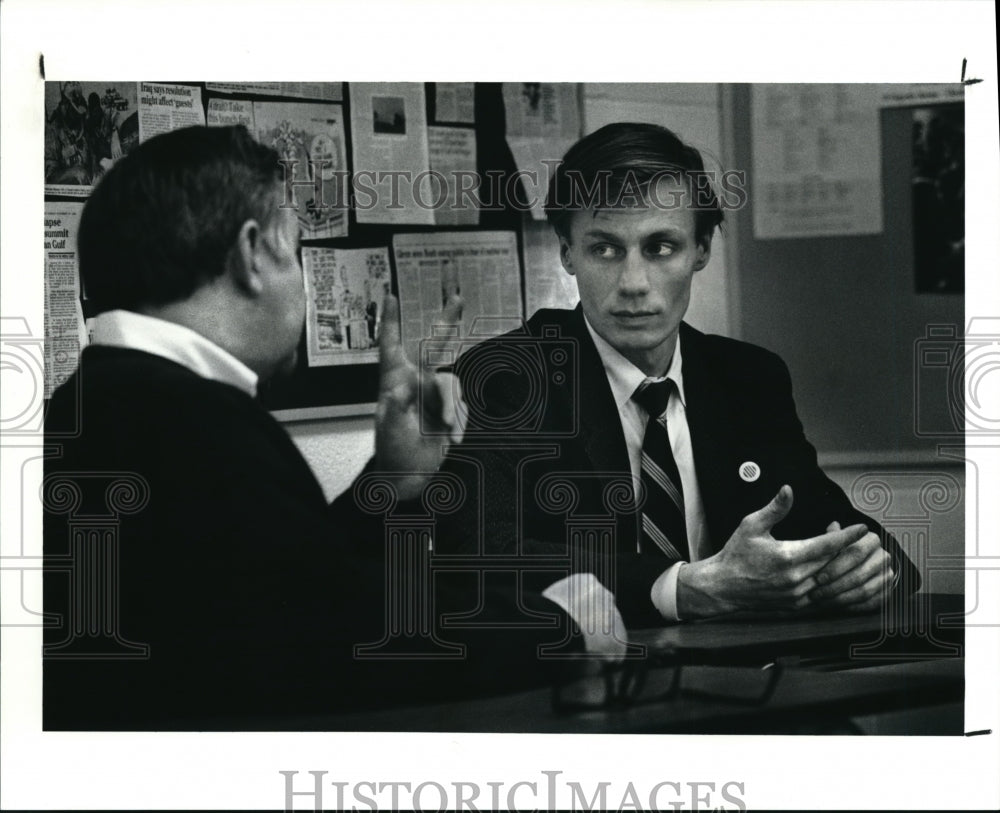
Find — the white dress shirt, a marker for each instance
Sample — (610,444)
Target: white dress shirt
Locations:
(624,378)
(136,331)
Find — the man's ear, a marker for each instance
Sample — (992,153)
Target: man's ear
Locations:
(244,258)
(564,248)
(704,253)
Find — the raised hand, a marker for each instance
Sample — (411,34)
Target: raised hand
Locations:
(418,411)
(755,571)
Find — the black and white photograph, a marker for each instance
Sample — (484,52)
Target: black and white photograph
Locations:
(664,482)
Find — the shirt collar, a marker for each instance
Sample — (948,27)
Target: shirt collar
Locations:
(175,342)
(625,378)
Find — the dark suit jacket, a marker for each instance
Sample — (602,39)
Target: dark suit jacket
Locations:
(541,410)
(248,589)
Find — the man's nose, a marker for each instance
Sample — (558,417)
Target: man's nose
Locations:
(634,279)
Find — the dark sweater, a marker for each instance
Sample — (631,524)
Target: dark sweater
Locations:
(247,589)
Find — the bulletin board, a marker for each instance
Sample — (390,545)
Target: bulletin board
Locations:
(873,358)
(472,112)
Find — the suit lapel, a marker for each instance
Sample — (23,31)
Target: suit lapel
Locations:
(710,426)
(600,424)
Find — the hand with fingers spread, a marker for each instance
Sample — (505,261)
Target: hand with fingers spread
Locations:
(857,579)
(755,571)
(418,412)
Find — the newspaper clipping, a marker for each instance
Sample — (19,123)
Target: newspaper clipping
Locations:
(324,91)
(452,152)
(88,126)
(65,332)
(389,137)
(230,112)
(546,283)
(543,121)
(309,138)
(482,266)
(345,289)
(163,108)
(455,102)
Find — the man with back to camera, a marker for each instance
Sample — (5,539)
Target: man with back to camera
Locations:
(729,509)
(247,588)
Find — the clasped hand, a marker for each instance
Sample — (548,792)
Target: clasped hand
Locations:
(844,568)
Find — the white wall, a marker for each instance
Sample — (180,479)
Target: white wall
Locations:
(337,449)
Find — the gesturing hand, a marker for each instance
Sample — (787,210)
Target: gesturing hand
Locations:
(856,579)
(418,411)
(755,571)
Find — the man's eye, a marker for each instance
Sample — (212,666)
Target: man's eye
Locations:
(604,251)
(661,249)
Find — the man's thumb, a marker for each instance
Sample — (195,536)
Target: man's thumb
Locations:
(771,514)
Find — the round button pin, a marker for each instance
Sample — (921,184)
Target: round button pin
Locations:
(749,472)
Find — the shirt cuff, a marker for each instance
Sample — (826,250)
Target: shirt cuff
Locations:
(664,593)
(592,606)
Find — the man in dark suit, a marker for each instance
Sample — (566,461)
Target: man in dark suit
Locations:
(724,506)
(197,576)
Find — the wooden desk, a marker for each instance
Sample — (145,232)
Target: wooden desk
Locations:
(927,626)
(804,702)
(831,669)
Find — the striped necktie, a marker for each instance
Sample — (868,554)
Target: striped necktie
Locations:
(663,510)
